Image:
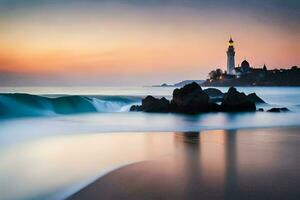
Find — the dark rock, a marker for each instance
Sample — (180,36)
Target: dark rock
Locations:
(213,107)
(235,101)
(260,110)
(215,99)
(135,108)
(256,99)
(190,99)
(213,92)
(152,104)
(284,109)
(278,110)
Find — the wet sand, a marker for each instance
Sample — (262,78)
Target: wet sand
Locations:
(238,164)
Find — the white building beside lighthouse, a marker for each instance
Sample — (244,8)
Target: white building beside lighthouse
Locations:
(230,58)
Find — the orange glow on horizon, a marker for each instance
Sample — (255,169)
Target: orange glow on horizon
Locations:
(136,43)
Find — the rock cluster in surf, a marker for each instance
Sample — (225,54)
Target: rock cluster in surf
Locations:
(277,110)
(192,99)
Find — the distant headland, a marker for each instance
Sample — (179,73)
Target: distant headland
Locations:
(246,75)
(181,83)
(254,77)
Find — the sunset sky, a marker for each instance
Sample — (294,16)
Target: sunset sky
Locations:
(135,42)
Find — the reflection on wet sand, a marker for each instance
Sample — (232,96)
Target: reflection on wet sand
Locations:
(249,164)
(230,157)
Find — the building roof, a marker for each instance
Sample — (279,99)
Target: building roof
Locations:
(245,64)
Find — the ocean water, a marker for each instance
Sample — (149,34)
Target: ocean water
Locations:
(50,149)
(53,101)
(61,110)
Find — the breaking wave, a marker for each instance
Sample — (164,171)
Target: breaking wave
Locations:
(20,105)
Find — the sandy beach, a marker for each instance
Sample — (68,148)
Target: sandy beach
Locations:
(236,164)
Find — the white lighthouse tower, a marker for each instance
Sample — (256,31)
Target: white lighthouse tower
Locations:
(230,58)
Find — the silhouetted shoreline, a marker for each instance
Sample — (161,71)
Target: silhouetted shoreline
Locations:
(255,77)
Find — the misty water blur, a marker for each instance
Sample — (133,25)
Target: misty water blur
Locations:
(52,101)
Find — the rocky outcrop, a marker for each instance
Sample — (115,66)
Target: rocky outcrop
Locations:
(135,108)
(152,104)
(278,110)
(213,92)
(235,101)
(256,99)
(190,99)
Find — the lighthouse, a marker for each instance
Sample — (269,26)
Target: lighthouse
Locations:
(230,58)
